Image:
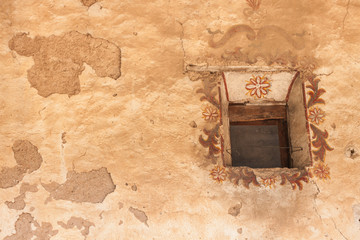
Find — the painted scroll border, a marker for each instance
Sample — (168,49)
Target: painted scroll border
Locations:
(212,138)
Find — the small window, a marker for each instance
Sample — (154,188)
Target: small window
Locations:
(264,120)
(259,136)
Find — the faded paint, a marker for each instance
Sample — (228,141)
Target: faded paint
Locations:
(138,127)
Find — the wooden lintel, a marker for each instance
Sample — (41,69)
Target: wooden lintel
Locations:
(239,113)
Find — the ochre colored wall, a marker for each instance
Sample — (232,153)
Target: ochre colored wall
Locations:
(104,130)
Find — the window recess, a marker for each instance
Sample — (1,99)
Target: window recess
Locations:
(264,123)
(259,136)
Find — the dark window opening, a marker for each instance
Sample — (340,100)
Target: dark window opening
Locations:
(259,136)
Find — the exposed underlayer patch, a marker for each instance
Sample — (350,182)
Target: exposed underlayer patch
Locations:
(88,3)
(28,160)
(140,215)
(78,222)
(235,210)
(91,186)
(25,226)
(19,201)
(59,60)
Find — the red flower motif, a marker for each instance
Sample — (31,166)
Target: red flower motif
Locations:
(316,115)
(210,113)
(322,171)
(218,174)
(268,182)
(258,86)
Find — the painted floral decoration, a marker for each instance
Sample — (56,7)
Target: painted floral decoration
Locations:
(218,174)
(322,171)
(210,113)
(268,182)
(258,86)
(254,4)
(255,15)
(316,115)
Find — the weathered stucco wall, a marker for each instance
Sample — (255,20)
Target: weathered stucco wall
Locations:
(104,132)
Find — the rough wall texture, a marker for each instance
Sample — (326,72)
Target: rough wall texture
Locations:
(59,60)
(28,160)
(143,129)
(91,186)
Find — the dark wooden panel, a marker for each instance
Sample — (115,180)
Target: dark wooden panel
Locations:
(255,146)
(260,144)
(239,113)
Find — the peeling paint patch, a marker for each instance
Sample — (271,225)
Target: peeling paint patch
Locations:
(19,201)
(235,210)
(28,160)
(63,140)
(88,3)
(140,215)
(26,154)
(78,222)
(24,226)
(91,186)
(59,60)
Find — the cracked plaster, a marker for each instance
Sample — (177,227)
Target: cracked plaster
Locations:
(138,127)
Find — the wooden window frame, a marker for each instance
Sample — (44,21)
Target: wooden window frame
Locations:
(246,113)
(297,121)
